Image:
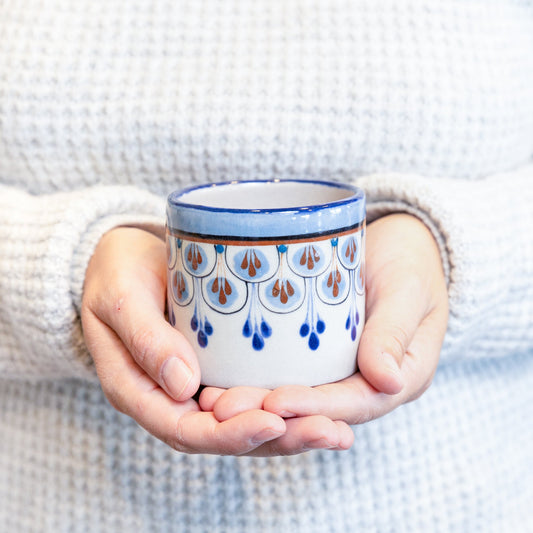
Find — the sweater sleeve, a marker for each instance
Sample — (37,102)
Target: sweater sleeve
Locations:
(46,242)
(484,231)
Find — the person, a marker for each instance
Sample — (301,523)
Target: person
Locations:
(106,107)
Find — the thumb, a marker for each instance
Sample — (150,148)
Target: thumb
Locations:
(392,321)
(159,349)
(124,295)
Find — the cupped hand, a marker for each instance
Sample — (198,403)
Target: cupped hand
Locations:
(406,318)
(149,371)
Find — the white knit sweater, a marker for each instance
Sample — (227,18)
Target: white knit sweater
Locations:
(106,106)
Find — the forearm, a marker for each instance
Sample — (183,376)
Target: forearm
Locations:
(45,245)
(483,229)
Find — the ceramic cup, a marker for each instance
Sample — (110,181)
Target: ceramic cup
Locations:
(266,279)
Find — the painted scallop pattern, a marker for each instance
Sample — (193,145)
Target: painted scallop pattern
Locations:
(265,279)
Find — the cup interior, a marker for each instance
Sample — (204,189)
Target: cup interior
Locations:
(266,195)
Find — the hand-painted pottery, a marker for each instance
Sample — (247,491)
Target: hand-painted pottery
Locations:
(266,279)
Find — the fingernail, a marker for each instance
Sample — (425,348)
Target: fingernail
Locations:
(264,436)
(318,444)
(175,375)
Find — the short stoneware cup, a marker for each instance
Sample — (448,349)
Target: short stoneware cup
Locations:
(266,279)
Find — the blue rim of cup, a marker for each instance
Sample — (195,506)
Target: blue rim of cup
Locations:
(189,220)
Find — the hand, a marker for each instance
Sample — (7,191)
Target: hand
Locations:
(407,313)
(149,371)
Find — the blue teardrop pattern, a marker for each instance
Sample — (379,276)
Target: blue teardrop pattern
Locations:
(352,322)
(199,321)
(255,325)
(171,316)
(313,325)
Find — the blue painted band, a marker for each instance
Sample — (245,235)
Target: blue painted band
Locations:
(266,223)
(263,240)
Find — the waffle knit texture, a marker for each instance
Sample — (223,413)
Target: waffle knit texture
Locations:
(107,106)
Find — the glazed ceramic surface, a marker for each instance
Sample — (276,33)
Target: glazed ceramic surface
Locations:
(266,279)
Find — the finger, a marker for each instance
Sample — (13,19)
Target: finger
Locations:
(208,397)
(394,315)
(308,433)
(316,432)
(201,432)
(354,399)
(180,424)
(134,313)
(238,400)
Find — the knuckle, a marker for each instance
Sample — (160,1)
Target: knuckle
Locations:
(364,410)
(364,414)
(142,344)
(177,441)
(399,339)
